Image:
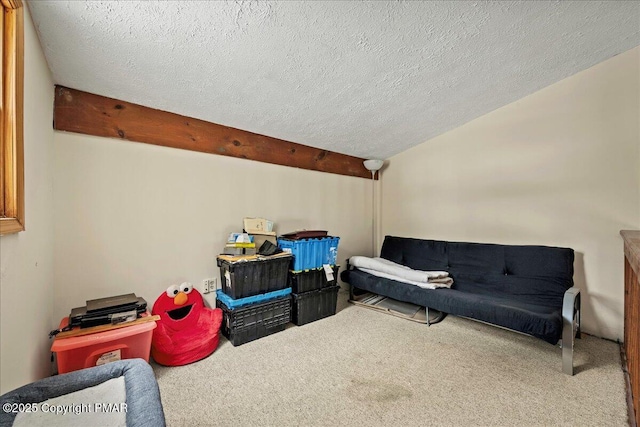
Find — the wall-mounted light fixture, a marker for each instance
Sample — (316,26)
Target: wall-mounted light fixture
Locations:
(373,165)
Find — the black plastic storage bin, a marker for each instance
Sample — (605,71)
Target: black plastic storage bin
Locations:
(315,305)
(254,321)
(253,277)
(311,280)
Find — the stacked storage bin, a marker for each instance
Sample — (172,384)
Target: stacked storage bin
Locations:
(313,277)
(254,298)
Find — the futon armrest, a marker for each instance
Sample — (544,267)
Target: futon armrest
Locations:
(570,327)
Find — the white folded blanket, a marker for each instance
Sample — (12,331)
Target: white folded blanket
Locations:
(388,269)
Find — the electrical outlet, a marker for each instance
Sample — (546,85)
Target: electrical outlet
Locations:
(209,285)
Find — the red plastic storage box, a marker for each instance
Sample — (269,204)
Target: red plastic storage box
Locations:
(85,351)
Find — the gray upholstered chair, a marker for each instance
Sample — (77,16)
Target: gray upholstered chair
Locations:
(88,397)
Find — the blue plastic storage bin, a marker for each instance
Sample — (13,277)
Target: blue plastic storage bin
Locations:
(311,253)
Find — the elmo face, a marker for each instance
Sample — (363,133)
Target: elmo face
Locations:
(179,306)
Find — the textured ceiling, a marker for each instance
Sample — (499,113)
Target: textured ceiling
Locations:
(369,79)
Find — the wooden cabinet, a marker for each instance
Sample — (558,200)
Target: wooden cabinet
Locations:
(632,313)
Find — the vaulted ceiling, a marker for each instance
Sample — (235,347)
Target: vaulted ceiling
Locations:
(370,79)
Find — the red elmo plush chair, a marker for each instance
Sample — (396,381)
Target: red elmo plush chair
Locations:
(187,330)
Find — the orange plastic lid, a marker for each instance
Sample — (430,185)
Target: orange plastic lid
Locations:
(72,343)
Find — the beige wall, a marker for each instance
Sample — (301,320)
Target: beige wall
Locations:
(559,167)
(137,218)
(26,258)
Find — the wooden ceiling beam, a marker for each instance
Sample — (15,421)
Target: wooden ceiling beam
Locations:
(86,113)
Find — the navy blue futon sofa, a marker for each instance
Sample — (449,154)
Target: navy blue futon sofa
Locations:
(528,289)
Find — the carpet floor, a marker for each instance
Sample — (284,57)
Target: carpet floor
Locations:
(364,368)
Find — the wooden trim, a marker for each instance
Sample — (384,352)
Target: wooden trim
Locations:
(86,113)
(12,138)
(2,118)
(11,4)
(19,116)
(10,225)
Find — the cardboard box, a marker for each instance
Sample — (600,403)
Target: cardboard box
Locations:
(258,226)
